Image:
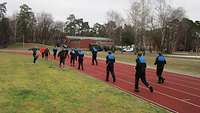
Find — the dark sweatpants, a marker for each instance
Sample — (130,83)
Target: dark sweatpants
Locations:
(42,54)
(110,69)
(62,61)
(34,58)
(94,60)
(76,58)
(159,74)
(80,64)
(46,56)
(54,55)
(72,60)
(142,76)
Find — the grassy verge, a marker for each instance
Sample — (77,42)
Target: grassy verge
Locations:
(177,65)
(26,46)
(28,88)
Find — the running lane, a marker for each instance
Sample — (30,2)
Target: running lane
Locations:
(180,93)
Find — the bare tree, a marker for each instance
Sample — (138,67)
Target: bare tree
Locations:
(168,19)
(2,9)
(163,10)
(140,15)
(44,24)
(173,23)
(57,31)
(115,17)
(13,25)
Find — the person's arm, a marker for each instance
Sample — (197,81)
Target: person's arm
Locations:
(145,65)
(138,62)
(165,62)
(30,49)
(58,54)
(156,62)
(39,53)
(136,67)
(107,60)
(49,52)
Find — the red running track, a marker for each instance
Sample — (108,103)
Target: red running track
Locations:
(179,93)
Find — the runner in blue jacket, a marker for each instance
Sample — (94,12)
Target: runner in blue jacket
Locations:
(110,61)
(160,62)
(141,72)
(80,59)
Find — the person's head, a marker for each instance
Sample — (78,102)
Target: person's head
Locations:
(140,53)
(109,52)
(159,53)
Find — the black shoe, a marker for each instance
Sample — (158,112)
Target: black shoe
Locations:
(107,80)
(137,90)
(159,82)
(163,80)
(151,89)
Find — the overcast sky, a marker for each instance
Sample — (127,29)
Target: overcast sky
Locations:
(92,10)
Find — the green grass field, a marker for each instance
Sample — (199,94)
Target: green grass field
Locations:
(177,65)
(26,46)
(29,88)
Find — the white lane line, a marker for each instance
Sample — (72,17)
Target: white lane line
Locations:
(162,94)
(187,99)
(171,97)
(132,83)
(171,73)
(178,99)
(177,90)
(151,68)
(131,93)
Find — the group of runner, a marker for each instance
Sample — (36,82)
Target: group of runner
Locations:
(140,69)
(77,55)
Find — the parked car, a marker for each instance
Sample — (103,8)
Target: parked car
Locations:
(128,50)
